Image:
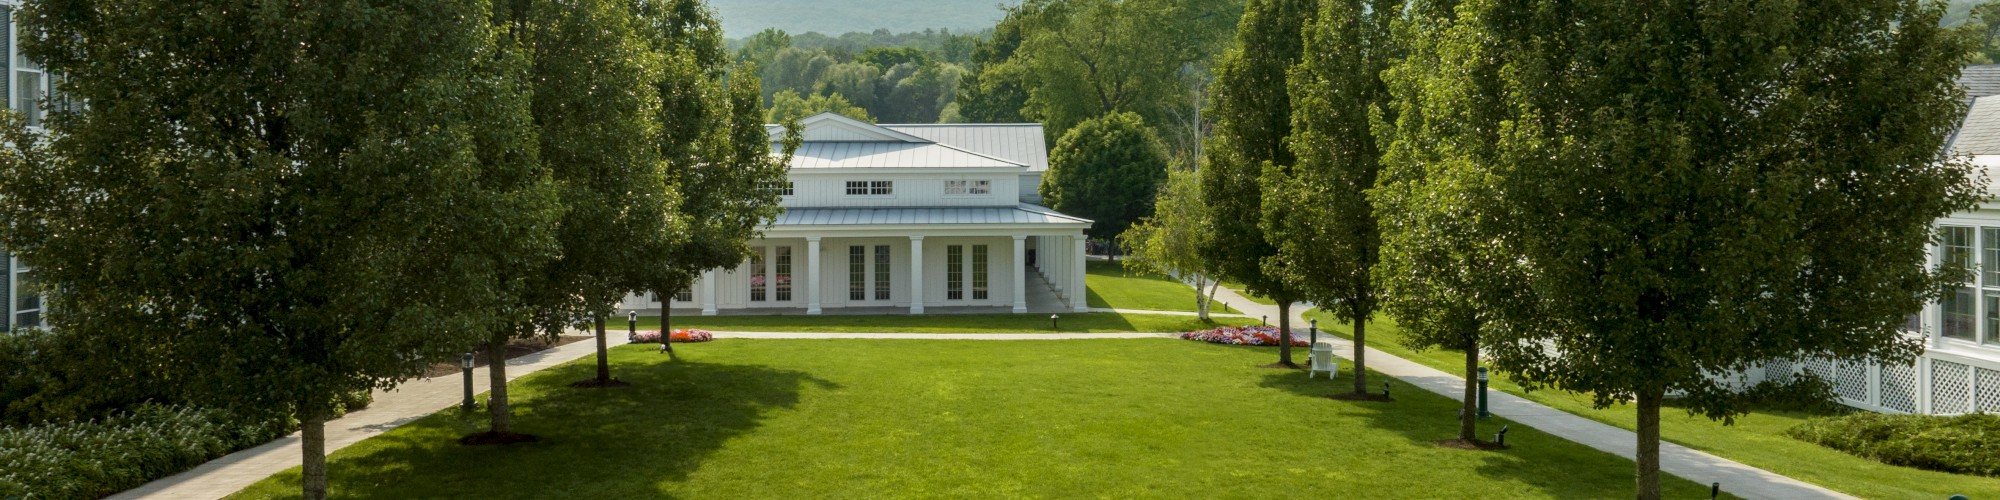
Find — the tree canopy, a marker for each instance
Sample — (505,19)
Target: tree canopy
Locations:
(282,205)
(1106,170)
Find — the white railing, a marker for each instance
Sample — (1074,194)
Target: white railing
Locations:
(1939,383)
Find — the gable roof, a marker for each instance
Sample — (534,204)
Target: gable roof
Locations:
(1982,80)
(1021,143)
(1979,134)
(835,141)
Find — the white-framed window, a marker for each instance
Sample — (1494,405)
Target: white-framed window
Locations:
(871,188)
(956,267)
(785,188)
(1970,311)
(861,270)
(964,188)
(882,272)
(770,273)
(27,301)
(685,295)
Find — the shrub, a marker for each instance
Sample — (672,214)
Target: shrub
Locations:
(92,459)
(1965,444)
(1244,335)
(678,336)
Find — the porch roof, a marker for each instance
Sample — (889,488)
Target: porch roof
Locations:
(876,217)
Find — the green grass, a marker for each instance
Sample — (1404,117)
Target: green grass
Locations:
(1111,287)
(1245,292)
(1756,439)
(942,323)
(888,418)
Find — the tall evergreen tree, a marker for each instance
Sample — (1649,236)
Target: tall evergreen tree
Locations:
(1702,186)
(1317,213)
(280,204)
(1252,110)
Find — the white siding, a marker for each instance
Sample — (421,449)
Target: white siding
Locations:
(911,190)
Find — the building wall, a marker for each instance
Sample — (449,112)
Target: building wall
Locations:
(732,286)
(812,189)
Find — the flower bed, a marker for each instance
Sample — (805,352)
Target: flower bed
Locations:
(1242,335)
(683,335)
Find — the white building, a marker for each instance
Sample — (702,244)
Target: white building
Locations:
(905,217)
(23,88)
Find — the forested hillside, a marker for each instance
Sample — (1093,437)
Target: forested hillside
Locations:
(742,18)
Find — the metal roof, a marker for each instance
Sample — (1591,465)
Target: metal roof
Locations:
(1979,134)
(889,155)
(1023,214)
(1021,143)
(1978,81)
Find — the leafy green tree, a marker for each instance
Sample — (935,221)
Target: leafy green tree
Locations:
(914,93)
(285,205)
(597,145)
(762,47)
(1252,110)
(884,58)
(1983,25)
(718,151)
(1168,242)
(855,82)
(1091,58)
(996,89)
(1439,271)
(796,70)
(1106,170)
(789,106)
(1317,213)
(1757,184)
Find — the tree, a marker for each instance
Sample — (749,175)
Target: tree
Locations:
(762,47)
(788,106)
(884,58)
(1168,241)
(596,143)
(1983,25)
(1091,58)
(1439,267)
(1756,180)
(995,88)
(718,151)
(1317,213)
(1252,111)
(917,93)
(283,205)
(855,82)
(1106,170)
(795,70)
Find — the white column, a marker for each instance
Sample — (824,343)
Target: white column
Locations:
(1078,291)
(812,275)
(916,275)
(1020,273)
(708,293)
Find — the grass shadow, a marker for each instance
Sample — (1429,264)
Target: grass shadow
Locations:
(592,441)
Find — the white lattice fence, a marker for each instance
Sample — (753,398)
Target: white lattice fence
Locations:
(1899,388)
(1988,383)
(1951,387)
(1852,383)
(1779,370)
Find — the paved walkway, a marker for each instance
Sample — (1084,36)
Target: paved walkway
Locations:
(1737,479)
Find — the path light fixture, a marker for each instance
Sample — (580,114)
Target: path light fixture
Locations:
(1314,328)
(1052,322)
(1385,389)
(1501,438)
(631,326)
(465,361)
(1482,393)
(1266,319)
(1715,491)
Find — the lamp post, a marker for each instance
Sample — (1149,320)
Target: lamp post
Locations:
(465,361)
(1313,327)
(631,326)
(1266,319)
(1052,323)
(1482,393)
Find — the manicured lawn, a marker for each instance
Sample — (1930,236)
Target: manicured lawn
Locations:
(1111,287)
(1757,439)
(887,418)
(1245,292)
(942,323)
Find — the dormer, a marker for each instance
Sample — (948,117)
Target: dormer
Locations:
(912,165)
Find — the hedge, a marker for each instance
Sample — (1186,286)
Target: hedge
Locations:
(1965,444)
(92,459)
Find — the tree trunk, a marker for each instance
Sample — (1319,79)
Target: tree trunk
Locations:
(1649,443)
(1360,354)
(667,331)
(603,353)
(1285,334)
(496,401)
(1470,410)
(312,446)
(1201,300)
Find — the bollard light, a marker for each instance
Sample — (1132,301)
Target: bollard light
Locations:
(1385,389)
(1314,328)
(1052,322)
(1715,491)
(1482,393)
(632,326)
(1501,438)
(465,360)
(1266,319)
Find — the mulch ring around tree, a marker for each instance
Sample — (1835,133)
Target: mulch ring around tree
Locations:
(497,438)
(1474,445)
(515,349)
(1361,396)
(594,383)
